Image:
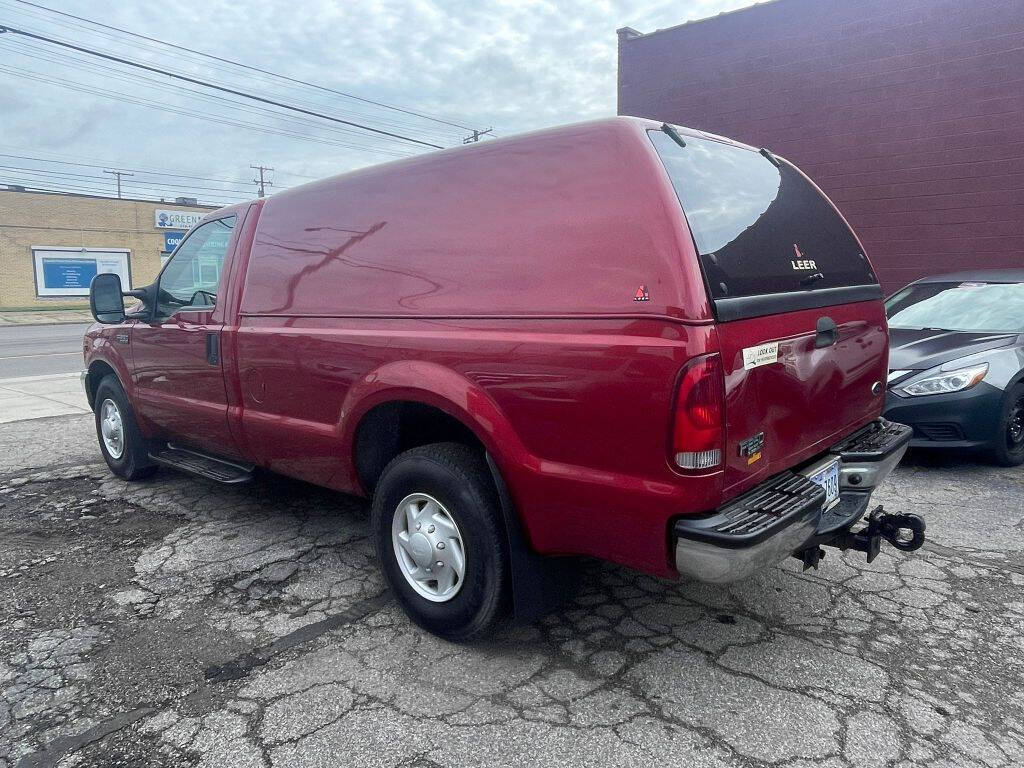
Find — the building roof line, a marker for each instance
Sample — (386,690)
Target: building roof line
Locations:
(626,34)
(105,230)
(33,191)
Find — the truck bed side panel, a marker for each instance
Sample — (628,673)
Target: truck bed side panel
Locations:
(577,414)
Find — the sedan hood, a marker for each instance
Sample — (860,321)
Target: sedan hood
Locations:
(915,350)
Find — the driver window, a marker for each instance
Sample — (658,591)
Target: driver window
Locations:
(190,279)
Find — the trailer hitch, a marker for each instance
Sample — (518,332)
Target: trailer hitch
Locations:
(903,531)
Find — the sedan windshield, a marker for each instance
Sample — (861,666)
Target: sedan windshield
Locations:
(960,306)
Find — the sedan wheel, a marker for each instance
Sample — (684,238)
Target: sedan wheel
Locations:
(1015,427)
(1008,448)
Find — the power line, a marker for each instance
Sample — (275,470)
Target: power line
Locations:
(291,173)
(85,177)
(214,86)
(80,62)
(73,85)
(194,96)
(145,183)
(147,171)
(249,67)
(129,189)
(144,49)
(33,50)
(78,189)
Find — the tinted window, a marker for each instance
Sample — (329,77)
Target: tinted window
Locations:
(962,306)
(759,228)
(192,275)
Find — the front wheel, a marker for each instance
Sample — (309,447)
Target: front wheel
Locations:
(123,447)
(441,540)
(1009,447)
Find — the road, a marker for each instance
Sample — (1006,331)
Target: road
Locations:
(176,622)
(37,350)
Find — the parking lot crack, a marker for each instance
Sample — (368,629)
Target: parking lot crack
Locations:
(64,745)
(243,665)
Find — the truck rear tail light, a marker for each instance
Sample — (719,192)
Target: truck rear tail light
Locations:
(697,435)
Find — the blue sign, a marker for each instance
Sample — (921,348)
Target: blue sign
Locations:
(68,273)
(171,240)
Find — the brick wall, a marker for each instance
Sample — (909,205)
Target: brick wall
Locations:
(910,115)
(35,219)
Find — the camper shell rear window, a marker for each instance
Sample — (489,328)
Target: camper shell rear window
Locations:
(762,229)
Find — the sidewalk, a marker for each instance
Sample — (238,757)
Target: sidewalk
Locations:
(35,397)
(44,316)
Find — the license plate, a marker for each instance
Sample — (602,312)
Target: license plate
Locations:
(828,478)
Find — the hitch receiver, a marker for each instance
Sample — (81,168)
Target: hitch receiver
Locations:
(903,531)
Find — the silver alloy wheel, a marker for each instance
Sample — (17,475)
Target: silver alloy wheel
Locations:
(112,428)
(428,547)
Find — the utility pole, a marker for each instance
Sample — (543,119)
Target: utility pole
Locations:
(475,136)
(260,181)
(119,174)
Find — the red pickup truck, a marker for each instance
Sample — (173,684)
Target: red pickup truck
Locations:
(622,339)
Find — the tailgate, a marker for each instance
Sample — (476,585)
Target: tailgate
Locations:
(783,407)
(800,320)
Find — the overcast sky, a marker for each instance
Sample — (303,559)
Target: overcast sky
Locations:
(511,64)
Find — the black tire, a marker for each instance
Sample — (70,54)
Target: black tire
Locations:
(457,477)
(1008,449)
(133,463)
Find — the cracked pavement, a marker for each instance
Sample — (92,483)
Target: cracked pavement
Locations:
(178,622)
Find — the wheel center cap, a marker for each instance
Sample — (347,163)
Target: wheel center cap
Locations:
(419,546)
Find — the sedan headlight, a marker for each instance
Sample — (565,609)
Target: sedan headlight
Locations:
(942,383)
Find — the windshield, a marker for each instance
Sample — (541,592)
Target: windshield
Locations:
(961,306)
(759,227)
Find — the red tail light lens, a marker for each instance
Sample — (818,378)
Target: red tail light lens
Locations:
(698,433)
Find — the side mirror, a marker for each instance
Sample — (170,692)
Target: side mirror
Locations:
(106,302)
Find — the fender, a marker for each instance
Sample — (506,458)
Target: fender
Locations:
(103,348)
(444,389)
(1018,377)
(537,582)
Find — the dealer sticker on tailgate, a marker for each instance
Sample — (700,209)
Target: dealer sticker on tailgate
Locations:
(762,354)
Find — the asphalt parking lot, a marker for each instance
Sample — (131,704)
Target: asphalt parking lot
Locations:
(177,622)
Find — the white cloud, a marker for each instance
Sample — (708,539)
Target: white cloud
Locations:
(511,64)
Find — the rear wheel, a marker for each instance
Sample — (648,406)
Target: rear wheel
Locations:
(122,445)
(1009,446)
(440,538)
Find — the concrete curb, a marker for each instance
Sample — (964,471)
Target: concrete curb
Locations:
(37,323)
(32,318)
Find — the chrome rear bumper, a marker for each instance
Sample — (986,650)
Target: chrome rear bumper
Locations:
(781,515)
(863,475)
(716,564)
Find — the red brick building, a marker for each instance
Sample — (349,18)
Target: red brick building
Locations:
(910,115)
